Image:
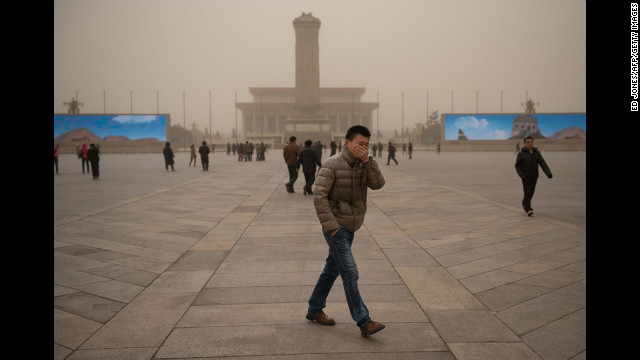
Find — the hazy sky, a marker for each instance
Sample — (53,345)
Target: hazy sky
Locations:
(160,48)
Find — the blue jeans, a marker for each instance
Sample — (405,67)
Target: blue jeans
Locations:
(293,175)
(340,262)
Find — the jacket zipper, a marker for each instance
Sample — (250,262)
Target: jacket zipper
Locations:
(353,214)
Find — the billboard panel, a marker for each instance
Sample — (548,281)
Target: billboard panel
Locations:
(110,127)
(514,126)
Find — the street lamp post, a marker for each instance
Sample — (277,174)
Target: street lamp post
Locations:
(402,133)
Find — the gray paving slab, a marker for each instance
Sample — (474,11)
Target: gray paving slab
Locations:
(150,264)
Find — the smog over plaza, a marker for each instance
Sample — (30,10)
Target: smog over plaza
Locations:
(193,59)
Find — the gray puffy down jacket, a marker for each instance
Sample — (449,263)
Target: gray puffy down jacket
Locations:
(340,194)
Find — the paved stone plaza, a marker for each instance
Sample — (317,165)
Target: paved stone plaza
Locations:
(150,264)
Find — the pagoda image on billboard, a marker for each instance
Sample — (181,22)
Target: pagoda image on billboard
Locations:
(526,124)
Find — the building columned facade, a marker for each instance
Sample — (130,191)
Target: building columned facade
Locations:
(306,111)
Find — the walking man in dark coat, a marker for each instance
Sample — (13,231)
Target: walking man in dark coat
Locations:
(168,156)
(93,154)
(309,159)
(204,156)
(527,162)
(392,153)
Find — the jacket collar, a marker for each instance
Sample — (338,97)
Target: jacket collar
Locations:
(346,154)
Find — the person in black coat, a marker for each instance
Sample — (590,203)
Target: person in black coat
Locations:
(527,162)
(392,153)
(168,156)
(93,155)
(204,156)
(308,158)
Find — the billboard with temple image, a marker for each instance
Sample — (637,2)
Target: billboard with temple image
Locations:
(111,127)
(556,126)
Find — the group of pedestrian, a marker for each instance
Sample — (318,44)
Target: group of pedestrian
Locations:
(376,148)
(245,151)
(340,198)
(203,150)
(89,158)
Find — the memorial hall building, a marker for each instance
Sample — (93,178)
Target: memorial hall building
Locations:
(306,111)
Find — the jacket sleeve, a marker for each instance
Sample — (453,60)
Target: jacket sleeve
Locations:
(544,166)
(323,185)
(316,158)
(375,180)
(519,165)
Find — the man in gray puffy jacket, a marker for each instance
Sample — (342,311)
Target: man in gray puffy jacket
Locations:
(340,199)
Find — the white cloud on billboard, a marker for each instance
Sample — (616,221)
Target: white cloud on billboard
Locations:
(471,122)
(497,134)
(134,119)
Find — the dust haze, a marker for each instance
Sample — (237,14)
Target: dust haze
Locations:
(189,58)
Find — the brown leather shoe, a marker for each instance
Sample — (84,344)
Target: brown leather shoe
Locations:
(321,318)
(371,328)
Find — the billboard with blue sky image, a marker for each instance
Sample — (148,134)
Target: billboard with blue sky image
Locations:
(500,126)
(133,127)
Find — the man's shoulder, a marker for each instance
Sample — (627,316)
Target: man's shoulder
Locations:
(334,161)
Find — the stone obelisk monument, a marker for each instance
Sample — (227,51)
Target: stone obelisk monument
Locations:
(307,28)
(307,118)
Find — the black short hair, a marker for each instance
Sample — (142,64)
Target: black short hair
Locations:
(308,142)
(355,130)
(528,137)
(292,139)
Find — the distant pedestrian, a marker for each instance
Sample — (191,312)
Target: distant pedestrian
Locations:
(204,156)
(233,149)
(334,146)
(392,153)
(318,148)
(404,148)
(85,160)
(240,151)
(374,148)
(410,149)
(380,149)
(527,162)
(93,154)
(193,155)
(308,159)
(438,149)
(290,154)
(340,202)
(228,149)
(56,152)
(260,152)
(168,156)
